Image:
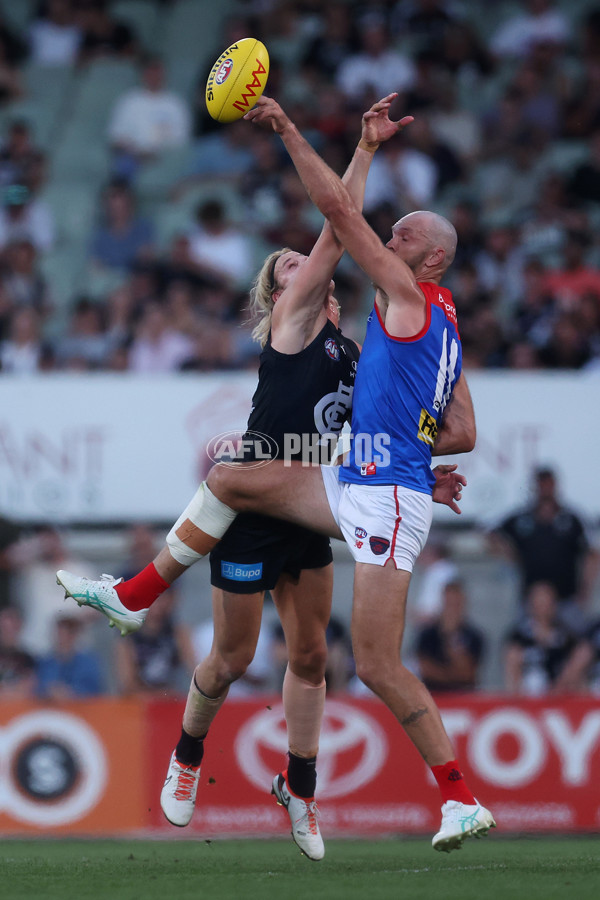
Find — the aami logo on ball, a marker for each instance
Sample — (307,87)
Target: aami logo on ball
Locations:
(224,71)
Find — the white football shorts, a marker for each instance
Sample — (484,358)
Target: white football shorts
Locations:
(379,521)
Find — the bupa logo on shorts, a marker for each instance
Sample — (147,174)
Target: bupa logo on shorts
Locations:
(224,71)
(241,571)
(368,469)
(378,545)
(360,533)
(331,349)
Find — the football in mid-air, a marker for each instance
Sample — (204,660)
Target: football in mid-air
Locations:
(237,79)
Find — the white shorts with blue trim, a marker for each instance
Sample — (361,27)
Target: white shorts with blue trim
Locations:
(379,521)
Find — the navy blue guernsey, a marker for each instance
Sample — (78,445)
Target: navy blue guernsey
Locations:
(306,393)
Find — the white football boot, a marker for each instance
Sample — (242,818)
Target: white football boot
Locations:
(101,595)
(303,816)
(178,796)
(460,821)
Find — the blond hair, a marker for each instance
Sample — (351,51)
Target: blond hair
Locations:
(261,297)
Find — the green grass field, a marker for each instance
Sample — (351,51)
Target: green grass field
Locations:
(496,867)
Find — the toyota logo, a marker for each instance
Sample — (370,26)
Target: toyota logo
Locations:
(352,749)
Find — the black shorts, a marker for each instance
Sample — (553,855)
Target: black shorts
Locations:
(256,549)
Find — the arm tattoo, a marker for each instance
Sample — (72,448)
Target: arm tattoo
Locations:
(414,717)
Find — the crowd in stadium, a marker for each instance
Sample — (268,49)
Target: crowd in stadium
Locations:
(152,274)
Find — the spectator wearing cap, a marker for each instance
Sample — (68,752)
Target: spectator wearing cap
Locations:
(22,217)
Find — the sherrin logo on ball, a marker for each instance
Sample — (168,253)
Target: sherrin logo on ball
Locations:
(237,80)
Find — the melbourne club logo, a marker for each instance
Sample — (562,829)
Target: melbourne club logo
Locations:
(331,349)
(224,71)
(378,545)
(352,748)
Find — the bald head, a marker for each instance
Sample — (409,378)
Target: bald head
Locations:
(440,232)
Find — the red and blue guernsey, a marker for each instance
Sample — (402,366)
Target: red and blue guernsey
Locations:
(402,388)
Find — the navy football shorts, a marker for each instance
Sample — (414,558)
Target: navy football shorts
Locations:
(256,549)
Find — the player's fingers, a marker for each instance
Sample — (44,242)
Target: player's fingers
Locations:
(404,122)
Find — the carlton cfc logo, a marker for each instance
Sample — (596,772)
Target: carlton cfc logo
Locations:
(224,71)
(331,349)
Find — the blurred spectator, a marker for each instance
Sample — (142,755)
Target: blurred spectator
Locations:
(584,183)
(87,344)
(227,155)
(335,40)
(156,346)
(449,650)
(295,225)
(22,280)
(10,533)
(534,316)
(454,126)
(427,21)
(448,167)
(361,74)
(123,238)
(221,250)
(499,266)
(575,278)
(142,546)
(54,35)
(538,645)
(568,347)
(541,22)
(548,542)
(436,570)
(159,657)
(15,47)
(69,671)
(581,672)
(146,121)
(22,351)
(339,671)
(403,176)
(11,87)
(36,558)
(23,217)
(18,154)
(260,676)
(17,667)
(101,34)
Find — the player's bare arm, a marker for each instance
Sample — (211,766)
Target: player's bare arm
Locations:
(330,195)
(299,305)
(458,432)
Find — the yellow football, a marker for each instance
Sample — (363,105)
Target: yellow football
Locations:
(237,79)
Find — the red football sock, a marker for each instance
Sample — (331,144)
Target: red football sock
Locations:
(142,590)
(451,783)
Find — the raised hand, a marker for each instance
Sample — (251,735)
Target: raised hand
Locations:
(268,112)
(377,126)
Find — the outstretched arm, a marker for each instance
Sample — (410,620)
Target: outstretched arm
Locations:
(298,306)
(331,196)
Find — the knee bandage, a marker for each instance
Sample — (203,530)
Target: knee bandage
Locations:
(205,515)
